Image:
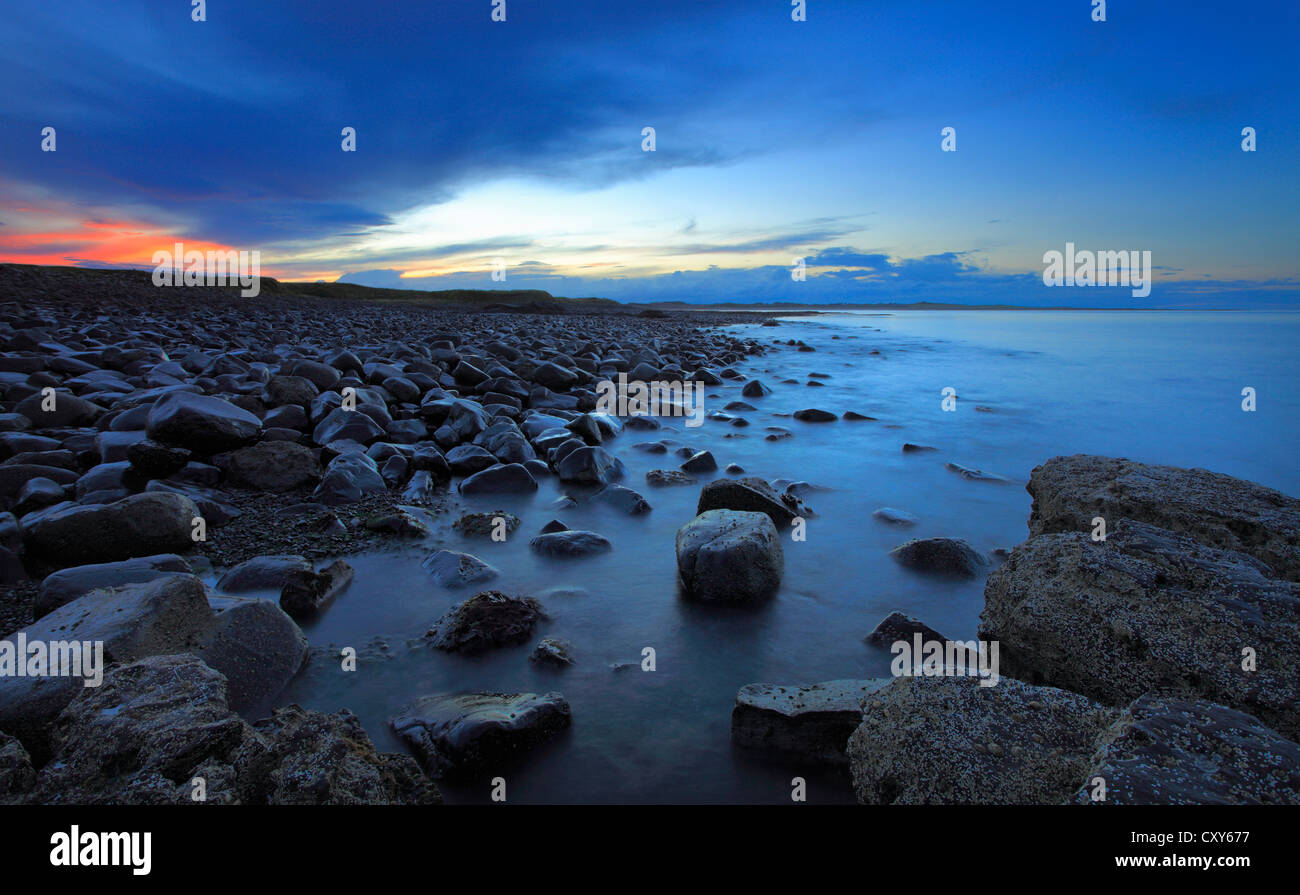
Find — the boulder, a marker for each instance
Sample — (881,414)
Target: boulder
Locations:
(478,733)
(66,585)
(273,466)
(952,557)
(486,621)
(452,569)
(201,423)
(568,542)
(1168,751)
(262,573)
(1163,613)
(1215,509)
(508,478)
(749,494)
(590,465)
(949,741)
(729,556)
(139,525)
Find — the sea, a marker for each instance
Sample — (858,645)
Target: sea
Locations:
(1216,390)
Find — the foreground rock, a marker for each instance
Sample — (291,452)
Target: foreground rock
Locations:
(947,740)
(157,724)
(140,525)
(486,621)
(809,723)
(1179,752)
(478,733)
(251,641)
(262,573)
(66,585)
(1217,510)
(729,556)
(1163,613)
(952,557)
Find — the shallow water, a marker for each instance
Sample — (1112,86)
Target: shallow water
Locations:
(1157,387)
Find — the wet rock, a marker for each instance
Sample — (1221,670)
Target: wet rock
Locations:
(894,516)
(569,543)
(306,592)
(201,423)
(663,478)
(947,740)
(910,448)
(478,733)
(896,626)
(1214,509)
(486,621)
(590,465)
(467,459)
(37,494)
(729,556)
(1164,614)
(553,526)
(273,466)
(700,462)
(451,569)
(396,521)
(755,389)
(978,475)
(508,478)
(140,525)
(1165,751)
(552,652)
(625,500)
(810,723)
(68,411)
(483,525)
(262,573)
(750,494)
(941,556)
(158,723)
(347,425)
(813,415)
(66,585)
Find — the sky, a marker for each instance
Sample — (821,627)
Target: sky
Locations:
(518,145)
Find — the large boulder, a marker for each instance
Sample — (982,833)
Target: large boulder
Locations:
(139,525)
(273,466)
(252,642)
(1165,751)
(1161,613)
(730,556)
(1215,509)
(475,733)
(201,423)
(810,723)
(948,740)
(160,725)
(66,585)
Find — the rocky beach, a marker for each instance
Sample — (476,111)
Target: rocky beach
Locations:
(246,503)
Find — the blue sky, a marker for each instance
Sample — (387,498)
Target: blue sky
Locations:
(522,140)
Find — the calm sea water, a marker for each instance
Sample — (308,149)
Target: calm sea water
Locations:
(1157,387)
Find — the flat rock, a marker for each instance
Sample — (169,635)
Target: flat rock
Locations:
(1214,509)
(486,621)
(478,733)
(809,723)
(453,569)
